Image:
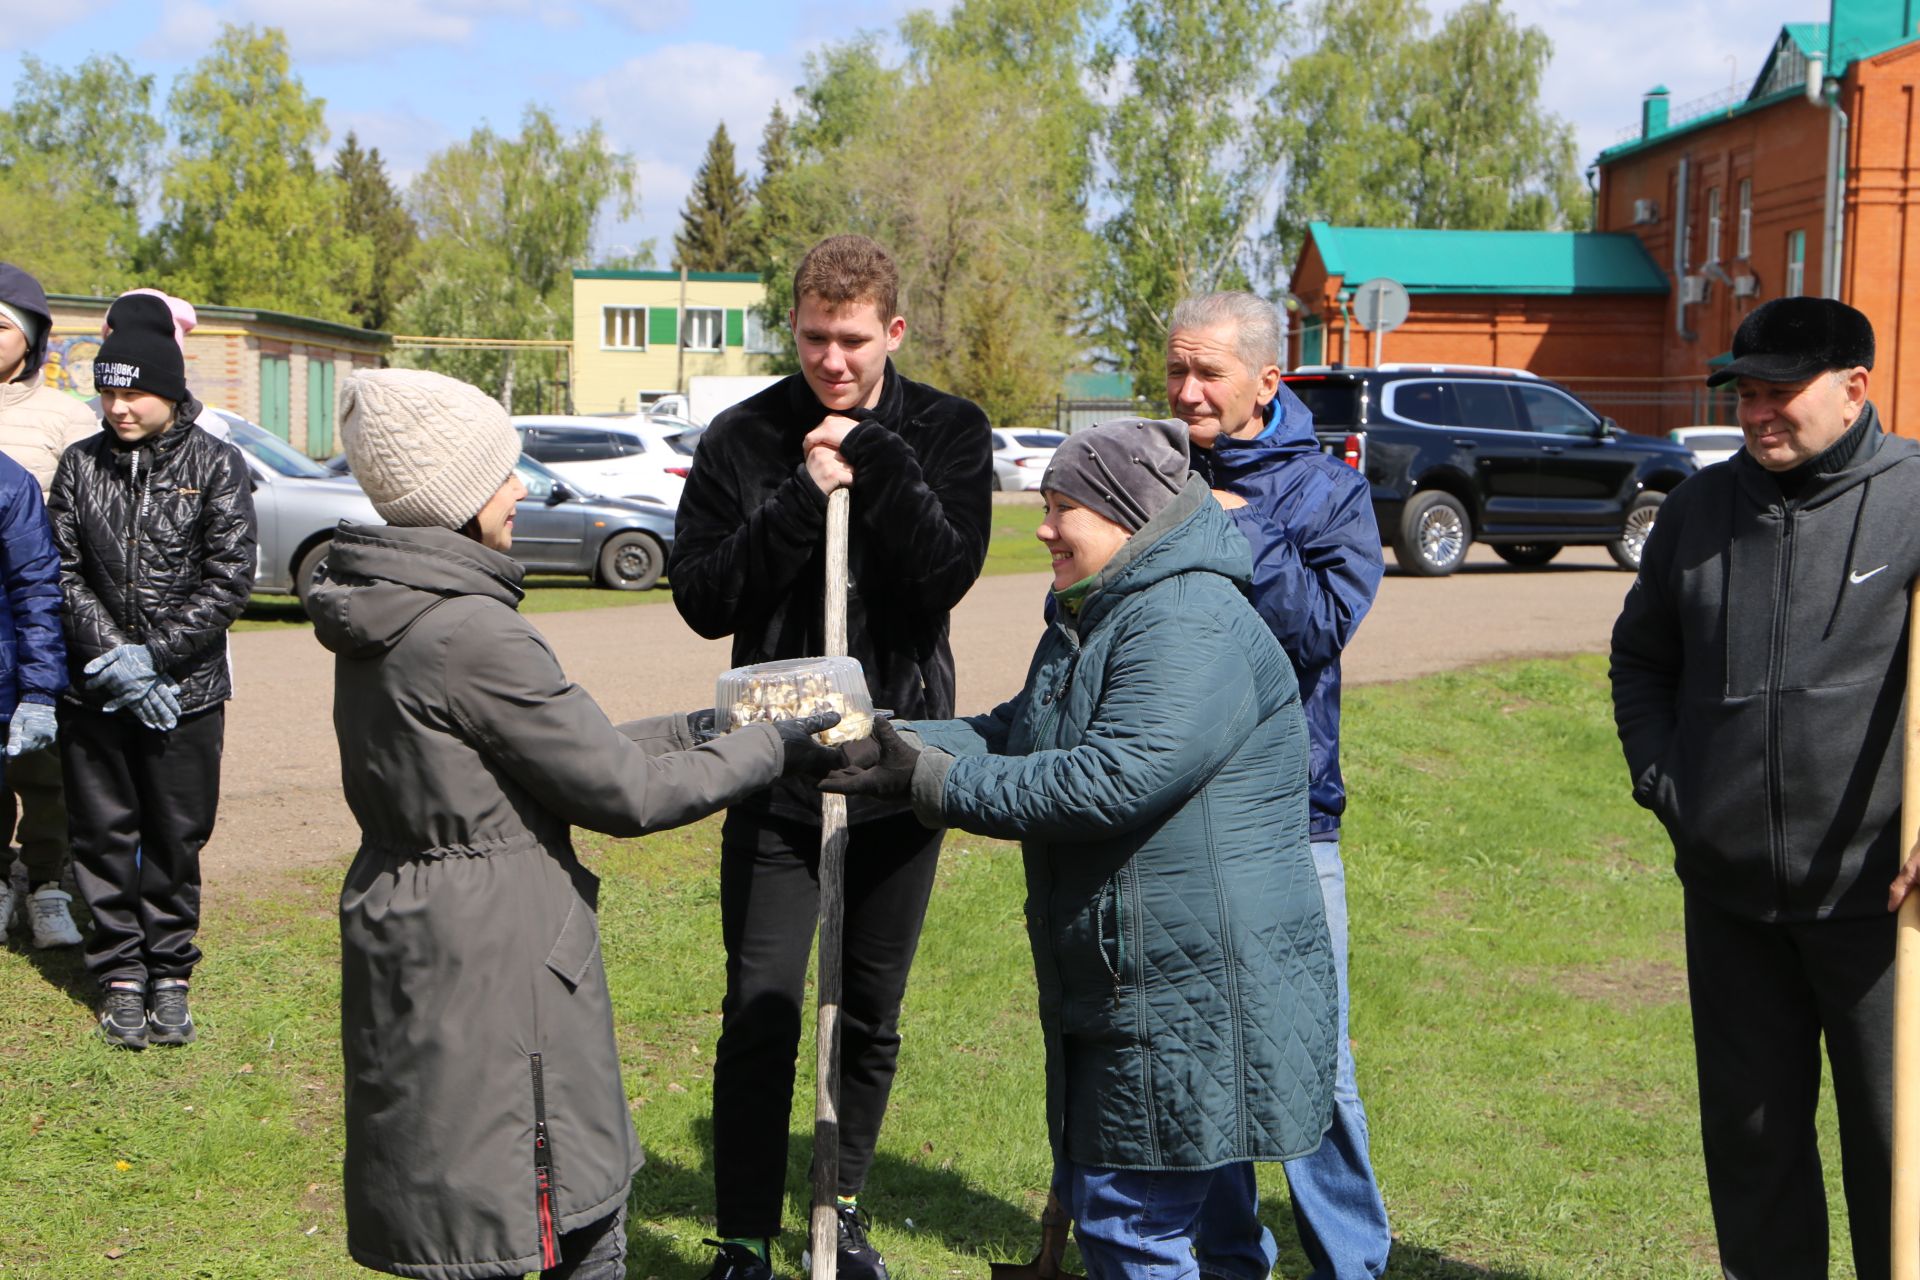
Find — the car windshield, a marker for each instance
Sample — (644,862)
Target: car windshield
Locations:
(540,481)
(1039,439)
(271,452)
(687,441)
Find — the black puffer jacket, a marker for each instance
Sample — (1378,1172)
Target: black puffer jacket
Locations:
(156,548)
(749,550)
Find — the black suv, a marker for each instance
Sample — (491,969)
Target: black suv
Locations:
(1462,454)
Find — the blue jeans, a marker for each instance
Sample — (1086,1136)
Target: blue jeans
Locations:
(1336,1203)
(1137,1224)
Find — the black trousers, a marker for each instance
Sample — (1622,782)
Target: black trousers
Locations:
(769,904)
(140,805)
(42,811)
(1763,995)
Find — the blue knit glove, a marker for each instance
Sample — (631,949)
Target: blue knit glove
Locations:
(33,728)
(159,708)
(122,675)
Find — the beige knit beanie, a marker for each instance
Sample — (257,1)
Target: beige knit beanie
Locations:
(426,448)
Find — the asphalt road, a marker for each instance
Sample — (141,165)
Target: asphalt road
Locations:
(281,805)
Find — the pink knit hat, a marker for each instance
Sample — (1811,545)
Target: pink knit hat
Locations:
(184,318)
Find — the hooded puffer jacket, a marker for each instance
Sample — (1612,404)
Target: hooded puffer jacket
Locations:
(485,1111)
(37,423)
(1155,771)
(157,548)
(1316,566)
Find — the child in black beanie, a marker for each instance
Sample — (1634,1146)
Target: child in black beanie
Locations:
(154,521)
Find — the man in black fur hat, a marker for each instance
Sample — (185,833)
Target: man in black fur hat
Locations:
(1758,685)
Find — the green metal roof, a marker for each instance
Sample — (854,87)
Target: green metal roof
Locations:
(1500,262)
(209,312)
(1810,36)
(698,277)
(1699,122)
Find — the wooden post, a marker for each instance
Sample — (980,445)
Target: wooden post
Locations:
(1906,992)
(833,856)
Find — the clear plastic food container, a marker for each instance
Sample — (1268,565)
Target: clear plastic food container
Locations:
(793,689)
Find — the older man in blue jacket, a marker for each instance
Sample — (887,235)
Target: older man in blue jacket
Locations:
(1316,557)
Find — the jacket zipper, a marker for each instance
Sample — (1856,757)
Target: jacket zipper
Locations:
(136,512)
(1776,664)
(543,1170)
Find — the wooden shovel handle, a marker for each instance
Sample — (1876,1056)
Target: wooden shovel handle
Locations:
(1906,991)
(833,857)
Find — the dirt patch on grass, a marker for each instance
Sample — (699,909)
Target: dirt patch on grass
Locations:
(1628,984)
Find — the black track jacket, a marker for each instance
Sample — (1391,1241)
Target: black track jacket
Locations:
(749,545)
(1759,680)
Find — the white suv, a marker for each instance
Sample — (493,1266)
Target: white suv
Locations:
(632,458)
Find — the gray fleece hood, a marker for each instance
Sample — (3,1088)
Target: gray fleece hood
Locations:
(379,580)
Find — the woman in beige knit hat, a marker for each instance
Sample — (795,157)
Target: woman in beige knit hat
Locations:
(487,1127)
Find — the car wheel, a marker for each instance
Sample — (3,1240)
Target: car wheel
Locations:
(631,562)
(1435,532)
(995,482)
(308,571)
(1527,555)
(1632,542)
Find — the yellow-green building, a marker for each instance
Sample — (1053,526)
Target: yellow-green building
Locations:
(633,343)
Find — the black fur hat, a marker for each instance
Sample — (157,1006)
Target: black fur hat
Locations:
(1790,339)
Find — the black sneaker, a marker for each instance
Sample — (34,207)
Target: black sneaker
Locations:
(168,1021)
(854,1257)
(737,1262)
(123,1017)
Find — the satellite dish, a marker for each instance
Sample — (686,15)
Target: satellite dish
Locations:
(1381,305)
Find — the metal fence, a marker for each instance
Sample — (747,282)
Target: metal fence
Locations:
(1072,415)
(1654,406)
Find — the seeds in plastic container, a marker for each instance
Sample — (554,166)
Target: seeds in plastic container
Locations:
(796,688)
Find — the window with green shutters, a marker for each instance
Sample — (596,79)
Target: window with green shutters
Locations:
(1312,341)
(319,407)
(663,326)
(276,395)
(736,328)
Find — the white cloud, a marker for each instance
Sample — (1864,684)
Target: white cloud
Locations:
(405,137)
(1606,56)
(661,108)
(663,105)
(344,30)
(25,23)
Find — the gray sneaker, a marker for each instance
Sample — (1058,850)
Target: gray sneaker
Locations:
(168,1021)
(123,1017)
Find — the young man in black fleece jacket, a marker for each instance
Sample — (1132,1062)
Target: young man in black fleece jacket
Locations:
(749,561)
(1759,680)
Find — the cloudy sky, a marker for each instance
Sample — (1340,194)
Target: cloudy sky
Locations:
(410,76)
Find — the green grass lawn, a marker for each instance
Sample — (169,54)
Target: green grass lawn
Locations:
(1520,1021)
(1012,549)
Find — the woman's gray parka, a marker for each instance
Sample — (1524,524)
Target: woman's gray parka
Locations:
(485,1111)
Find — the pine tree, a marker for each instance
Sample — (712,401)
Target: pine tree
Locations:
(713,226)
(372,208)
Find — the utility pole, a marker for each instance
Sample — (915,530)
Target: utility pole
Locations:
(680,361)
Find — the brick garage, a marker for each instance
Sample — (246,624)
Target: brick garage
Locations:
(280,371)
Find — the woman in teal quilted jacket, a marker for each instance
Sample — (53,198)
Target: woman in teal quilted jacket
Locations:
(1155,771)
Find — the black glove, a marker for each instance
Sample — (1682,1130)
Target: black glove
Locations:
(880,766)
(804,757)
(700,725)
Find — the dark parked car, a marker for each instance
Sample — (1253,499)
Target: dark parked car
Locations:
(560,528)
(1463,454)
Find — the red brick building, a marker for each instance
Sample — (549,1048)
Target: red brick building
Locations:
(1808,182)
